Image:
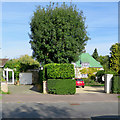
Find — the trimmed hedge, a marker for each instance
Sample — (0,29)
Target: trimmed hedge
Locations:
(61,86)
(59,71)
(116,84)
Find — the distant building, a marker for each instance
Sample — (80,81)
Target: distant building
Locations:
(85,61)
(3,62)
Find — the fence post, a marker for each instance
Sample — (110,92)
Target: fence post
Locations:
(108,82)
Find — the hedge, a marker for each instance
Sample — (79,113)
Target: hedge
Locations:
(61,86)
(116,84)
(59,71)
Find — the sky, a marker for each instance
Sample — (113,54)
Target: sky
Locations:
(101,19)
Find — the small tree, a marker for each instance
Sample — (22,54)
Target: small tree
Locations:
(105,62)
(95,54)
(115,57)
(27,62)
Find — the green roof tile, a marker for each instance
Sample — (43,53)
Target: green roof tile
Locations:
(87,58)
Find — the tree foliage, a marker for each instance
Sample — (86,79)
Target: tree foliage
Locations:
(22,64)
(27,62)
(95,54)
(105,62)
(115,57)
(90,71)
(58,34)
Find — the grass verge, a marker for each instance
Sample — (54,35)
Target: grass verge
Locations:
(5,92)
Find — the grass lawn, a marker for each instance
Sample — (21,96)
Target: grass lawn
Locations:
(95,85)
(118,96)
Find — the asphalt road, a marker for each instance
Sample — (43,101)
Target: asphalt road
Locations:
(61,110)
(92,103)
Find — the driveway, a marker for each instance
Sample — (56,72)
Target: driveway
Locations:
(23,89)
(27,93)
(30,89)
(89,89)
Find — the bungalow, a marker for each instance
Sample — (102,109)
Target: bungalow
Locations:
(85,61)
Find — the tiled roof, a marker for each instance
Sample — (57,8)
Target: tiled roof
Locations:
(87,58)
(3,61)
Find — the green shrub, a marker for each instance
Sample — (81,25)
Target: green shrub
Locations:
(59,71)
(89,82)
(92,82)
(93,78)
(2,79)
(61,86)
(99,75)
(86,80)
(116,84)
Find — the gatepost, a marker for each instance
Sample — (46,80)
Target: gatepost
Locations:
(44,87)
(108,82)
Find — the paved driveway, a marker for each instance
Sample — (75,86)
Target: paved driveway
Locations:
(89,89)
(30,89)
(23,89)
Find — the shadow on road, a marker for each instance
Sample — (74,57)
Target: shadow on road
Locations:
(34,88)
(109,117)
(46,112)
(38,111)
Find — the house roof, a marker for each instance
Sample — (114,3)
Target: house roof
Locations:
(87,58)
(3,61)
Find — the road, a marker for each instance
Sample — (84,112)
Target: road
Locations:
(92,103)
(61,110)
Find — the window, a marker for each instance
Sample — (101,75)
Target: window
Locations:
(85,64)
(84,75)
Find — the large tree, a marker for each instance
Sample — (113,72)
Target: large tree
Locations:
(58,34)
(95,54)
(115,57)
